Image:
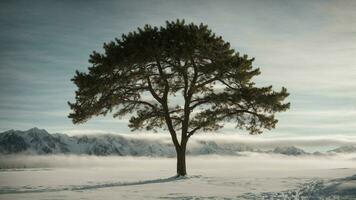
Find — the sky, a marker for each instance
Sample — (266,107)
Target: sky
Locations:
(309,47)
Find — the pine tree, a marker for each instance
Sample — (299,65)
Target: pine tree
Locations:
(181,78)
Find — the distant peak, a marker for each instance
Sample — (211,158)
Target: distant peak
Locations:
(11,130)
(35,129)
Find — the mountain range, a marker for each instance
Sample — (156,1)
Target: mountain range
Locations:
(39,142)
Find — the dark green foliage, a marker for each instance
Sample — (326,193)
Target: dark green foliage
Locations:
(178,57)
(178,60)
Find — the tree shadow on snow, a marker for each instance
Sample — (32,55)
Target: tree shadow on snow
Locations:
(120,184)
(27,189)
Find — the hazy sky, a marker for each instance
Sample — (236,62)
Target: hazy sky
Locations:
(307,46)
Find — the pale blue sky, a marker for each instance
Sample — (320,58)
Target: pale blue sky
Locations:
(307,46)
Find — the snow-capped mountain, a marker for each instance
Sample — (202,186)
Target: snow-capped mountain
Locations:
(344,149)
(289,150)
(39,141)
(33,140)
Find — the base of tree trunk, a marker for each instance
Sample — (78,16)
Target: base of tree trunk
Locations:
(180,176)
(181,168)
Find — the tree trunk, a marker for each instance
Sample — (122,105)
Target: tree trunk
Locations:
(181,169)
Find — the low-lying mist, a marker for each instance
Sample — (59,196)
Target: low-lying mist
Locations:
(244,160)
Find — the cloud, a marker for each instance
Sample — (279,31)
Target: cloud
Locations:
(306,46)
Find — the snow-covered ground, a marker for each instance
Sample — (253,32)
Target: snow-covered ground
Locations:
(248,176)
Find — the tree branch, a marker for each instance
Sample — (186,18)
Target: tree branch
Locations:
(190,133)
(153,93)
(226,84)
(164,103)
(194,80)
(142,102)
(199,102)
(164,77)
(206,82)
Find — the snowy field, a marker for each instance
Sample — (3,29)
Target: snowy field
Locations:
(250,176)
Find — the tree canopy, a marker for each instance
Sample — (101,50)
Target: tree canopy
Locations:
(180,77)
